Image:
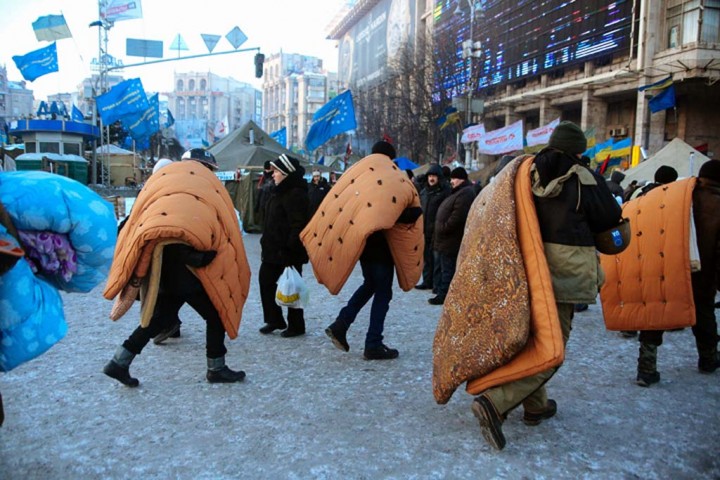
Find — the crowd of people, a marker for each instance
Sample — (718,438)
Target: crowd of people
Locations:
(391,224)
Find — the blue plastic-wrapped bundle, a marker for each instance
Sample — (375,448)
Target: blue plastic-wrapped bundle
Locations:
(45,202)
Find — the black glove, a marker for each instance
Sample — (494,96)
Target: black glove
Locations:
(199,259)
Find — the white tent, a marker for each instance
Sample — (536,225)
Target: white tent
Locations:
(677,154)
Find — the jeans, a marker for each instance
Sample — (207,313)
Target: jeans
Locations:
(377,283)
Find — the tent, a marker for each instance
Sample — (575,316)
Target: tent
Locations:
(675,154)
(250,146)
(244,197)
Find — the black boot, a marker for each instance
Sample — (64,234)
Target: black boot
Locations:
(2,411)
(337,332)
(271,327)
(709,363)
(218,372)
(296,327)
(119,367)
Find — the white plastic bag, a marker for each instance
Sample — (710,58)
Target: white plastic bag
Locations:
(291,290)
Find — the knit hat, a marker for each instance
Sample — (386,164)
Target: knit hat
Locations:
(285,164)
(266,165)
(665,174)
(710,170)
(316,173)
(435,169)
(569,138)
(459,173)
(385,148)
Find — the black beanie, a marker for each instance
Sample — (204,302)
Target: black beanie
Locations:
(569,138)
(286,164)
(384,148)
(459,173)
(710,170)
(665,174)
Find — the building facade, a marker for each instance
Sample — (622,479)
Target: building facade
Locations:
(294,88)
(16,101)
(206,107)
(507,60)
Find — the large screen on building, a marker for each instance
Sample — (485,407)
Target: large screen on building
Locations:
(375,41)
(524,38)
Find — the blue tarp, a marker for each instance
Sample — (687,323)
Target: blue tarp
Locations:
(404,163)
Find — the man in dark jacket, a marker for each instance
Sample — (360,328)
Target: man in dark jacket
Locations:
(705,206)
(286,214)
(616,178)
(572,203)
(378,270)
(317,189)
(264,187)
(431,196)
(449,229)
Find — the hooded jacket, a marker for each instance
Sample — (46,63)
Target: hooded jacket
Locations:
(451,218)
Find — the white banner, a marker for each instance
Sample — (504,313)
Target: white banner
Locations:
(116,10)
(541,136)
(504,140)
(473,134)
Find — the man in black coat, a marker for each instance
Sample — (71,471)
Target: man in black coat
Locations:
(431,196)
(449,229)
(286,214)
(317,189)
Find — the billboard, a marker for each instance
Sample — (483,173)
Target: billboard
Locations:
(375,41)
(524,38)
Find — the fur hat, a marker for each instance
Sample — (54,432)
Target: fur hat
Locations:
(201,155)
(436,170)
(385,148)
(569,138)
(459,173)
(665,174)
(285,164)
(710,170)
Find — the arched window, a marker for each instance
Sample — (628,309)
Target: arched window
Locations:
(191,85)
(180,85)
(203,84)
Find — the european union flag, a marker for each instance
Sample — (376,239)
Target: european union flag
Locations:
(280,136)
(77,115)
(335,117)
(142,125)
(123,99)
(37,63)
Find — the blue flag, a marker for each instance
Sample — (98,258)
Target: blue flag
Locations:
(123,99)
(37,63)
(77,115)
(663,100)
(335,117)
(280,136)
(170,119)
(142,125)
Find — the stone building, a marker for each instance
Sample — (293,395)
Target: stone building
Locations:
(294,88)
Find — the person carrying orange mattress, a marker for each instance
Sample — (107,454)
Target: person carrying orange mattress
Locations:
(398,245)
(183,229)
(573,203)
(705,207)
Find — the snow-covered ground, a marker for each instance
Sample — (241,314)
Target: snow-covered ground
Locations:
(307,410)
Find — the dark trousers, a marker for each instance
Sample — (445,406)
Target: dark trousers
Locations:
(377,284)
(431,267)
(447,268)
(272,312)
(164,316)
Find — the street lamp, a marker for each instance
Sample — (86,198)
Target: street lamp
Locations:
(471,49)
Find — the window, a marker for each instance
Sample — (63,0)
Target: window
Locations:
(30,147)
(180,85)
(203,84)
(710,30)
(191,85)
(682,21)
(71,148)
(49,147)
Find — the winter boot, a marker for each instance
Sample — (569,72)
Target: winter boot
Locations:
(647,373)
(709,363)
(2,412)
(119,367)
(218,372)
(296,327)
(337,332)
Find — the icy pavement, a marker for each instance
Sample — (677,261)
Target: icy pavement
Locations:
(308,410)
